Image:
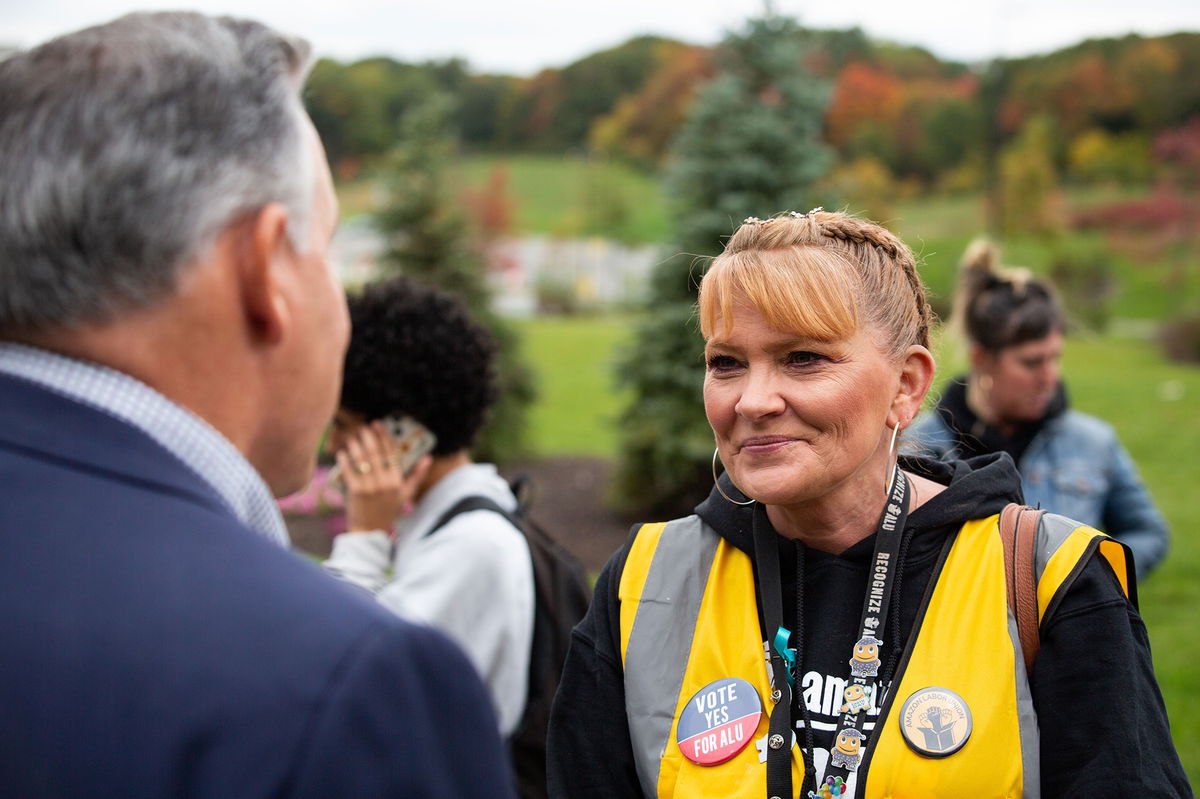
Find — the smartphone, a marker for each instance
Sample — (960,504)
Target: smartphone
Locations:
(412,438)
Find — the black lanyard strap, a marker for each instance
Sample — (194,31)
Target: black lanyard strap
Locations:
(770,588)
(850,741)
(874,619)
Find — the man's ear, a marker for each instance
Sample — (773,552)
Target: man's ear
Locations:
(264,250)
(916,376)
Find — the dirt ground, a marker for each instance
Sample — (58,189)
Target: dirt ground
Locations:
(568,501)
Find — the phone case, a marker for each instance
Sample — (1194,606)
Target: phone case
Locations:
(412,439)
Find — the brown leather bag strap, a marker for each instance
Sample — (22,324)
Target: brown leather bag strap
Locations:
(1018,531)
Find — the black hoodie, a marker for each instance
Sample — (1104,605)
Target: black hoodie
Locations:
(1117,747)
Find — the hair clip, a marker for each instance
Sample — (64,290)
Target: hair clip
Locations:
(752,220)
(798,215)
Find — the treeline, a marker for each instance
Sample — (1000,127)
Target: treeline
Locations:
(1101,110)
(358,107)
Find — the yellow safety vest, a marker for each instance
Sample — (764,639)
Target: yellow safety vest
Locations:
(689,617)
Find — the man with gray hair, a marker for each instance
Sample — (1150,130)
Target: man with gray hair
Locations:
(171,338)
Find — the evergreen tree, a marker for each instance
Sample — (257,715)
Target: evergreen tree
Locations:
(750,146)
(429,239)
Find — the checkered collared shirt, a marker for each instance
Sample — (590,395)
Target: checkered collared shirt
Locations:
(191,439)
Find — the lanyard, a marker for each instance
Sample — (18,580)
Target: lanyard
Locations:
(861,688)
(780,732)
(864,664)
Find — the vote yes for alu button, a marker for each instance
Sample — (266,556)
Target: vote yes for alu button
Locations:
(936,722)
(718,721)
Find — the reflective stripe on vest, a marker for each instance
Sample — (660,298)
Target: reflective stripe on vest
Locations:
(689,616)
(660,598)
(1063,547)
(679,578)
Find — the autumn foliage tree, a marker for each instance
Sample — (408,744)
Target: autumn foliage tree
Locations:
(930,123)
(864,95)
(642,124)
(1028,181)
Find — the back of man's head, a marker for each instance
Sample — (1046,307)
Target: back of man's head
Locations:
(128,148)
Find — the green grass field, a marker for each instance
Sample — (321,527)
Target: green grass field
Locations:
(1152,403)
(1151,278)
(559,195)
(1155,407)
(577,408)
(573,196)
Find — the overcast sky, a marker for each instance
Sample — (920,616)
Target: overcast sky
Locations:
(520,37)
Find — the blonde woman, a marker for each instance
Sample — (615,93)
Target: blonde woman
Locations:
(832,621)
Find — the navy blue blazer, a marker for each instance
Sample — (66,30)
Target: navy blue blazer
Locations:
(153,646)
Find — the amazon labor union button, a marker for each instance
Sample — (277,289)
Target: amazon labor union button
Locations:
(936,722)
(718,721)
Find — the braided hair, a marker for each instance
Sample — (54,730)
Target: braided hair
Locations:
(821,274)
(998,307)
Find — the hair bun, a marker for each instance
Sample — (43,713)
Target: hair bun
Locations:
(997,306)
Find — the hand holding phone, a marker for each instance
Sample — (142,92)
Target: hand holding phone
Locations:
(377,466)
(411,439)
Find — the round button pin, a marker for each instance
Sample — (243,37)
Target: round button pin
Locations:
(718,721)
(936,722)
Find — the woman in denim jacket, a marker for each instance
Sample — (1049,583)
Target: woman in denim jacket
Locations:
(1013,401)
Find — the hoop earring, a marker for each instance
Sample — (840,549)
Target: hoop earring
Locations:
(891,472)
(717,484)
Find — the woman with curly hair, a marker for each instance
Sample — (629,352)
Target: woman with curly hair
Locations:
(416,352)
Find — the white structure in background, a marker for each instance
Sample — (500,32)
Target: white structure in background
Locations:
(526,273)
(354,250)
(531,272)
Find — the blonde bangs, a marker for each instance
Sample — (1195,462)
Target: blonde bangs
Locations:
(806,291)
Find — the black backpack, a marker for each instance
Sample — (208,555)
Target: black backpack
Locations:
(561,598)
